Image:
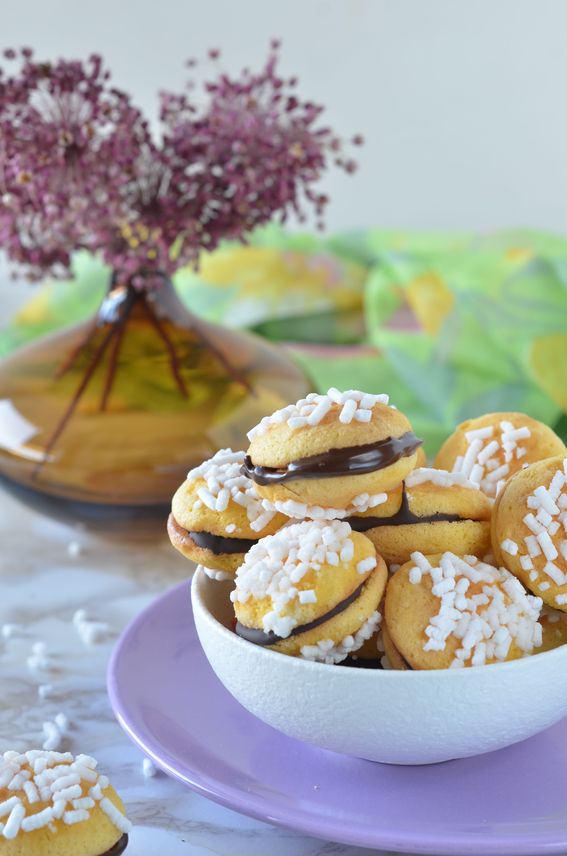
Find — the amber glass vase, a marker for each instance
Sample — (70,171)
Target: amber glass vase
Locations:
(103,420)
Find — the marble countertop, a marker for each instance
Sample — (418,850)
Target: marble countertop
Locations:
(48,570)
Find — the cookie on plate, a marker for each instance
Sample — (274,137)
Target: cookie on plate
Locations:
(529,529)
(449,611)
(313,590)
(434,511)
(490,449)
(52,804)
(330,454)
(217,516)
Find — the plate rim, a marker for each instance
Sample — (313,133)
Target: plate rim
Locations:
(258,807)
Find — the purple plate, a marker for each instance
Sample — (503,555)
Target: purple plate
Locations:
(169,701)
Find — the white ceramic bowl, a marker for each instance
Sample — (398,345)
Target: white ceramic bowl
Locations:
(395,717)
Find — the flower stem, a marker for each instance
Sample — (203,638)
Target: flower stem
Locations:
(173,359)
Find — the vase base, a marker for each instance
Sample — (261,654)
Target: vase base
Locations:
(94,515)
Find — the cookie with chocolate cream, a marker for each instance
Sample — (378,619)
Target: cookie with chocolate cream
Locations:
(449,611)
(529,529)
(490,449)
(313,590)
(394,659)
(433,511)
(54,804)
(330,454)
(217,516)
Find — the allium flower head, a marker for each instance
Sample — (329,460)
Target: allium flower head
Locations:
(78,168)
(69,143)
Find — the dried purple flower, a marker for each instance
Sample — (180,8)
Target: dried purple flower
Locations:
(68,147)
(78,168)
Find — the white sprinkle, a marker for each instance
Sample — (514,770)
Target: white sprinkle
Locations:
(215,574)
(347,413)
(547,546)
(7,806)
(74,549)
(149,770)
(320,411)
(10,630)
(31,793)
(366,564)
(230,528)
(442,478)
(480,433)
(561,599)
(307,596)
(532,544)
(544,586)
(91,632)
(509,546)
(116,816)
(52,734)
(555,573)
(45,691)
(546,500)
(71,817)
(37,820)
(526,563)
(415,575)
(533,524)
(12,825)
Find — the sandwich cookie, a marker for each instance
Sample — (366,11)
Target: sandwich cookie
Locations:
(53,804)
(433,511)
(490,449)
(217,516)
(312,590)
(329,455)
(529,529)
(449,611)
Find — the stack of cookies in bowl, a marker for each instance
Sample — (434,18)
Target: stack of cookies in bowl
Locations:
(337,544)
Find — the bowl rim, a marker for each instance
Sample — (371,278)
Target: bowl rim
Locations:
(200,578)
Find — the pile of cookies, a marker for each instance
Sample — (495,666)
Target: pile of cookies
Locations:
(341,546)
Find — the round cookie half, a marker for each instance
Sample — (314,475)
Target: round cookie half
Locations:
(434,512)
(313,453)
(393,656)
(440,613)
(491,448)
(39,824)
(312,586)
(217,516)
(529,529)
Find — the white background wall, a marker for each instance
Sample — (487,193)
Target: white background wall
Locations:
(463,103)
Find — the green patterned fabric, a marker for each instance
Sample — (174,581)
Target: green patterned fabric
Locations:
(452,325)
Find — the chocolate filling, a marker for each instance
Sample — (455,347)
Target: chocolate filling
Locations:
(402,516)
(220,544)
(217,544)
(260,637)
(361,662)
(350,460)
(118,848)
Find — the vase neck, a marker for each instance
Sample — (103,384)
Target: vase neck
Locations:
(123,296)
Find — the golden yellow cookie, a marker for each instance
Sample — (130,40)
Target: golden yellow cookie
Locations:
(435,512)
(490,449)
(217,515)
(554,624)
(312,590)
(450,611)
(529,529)
(394,659)
(52,804)
(328,452)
